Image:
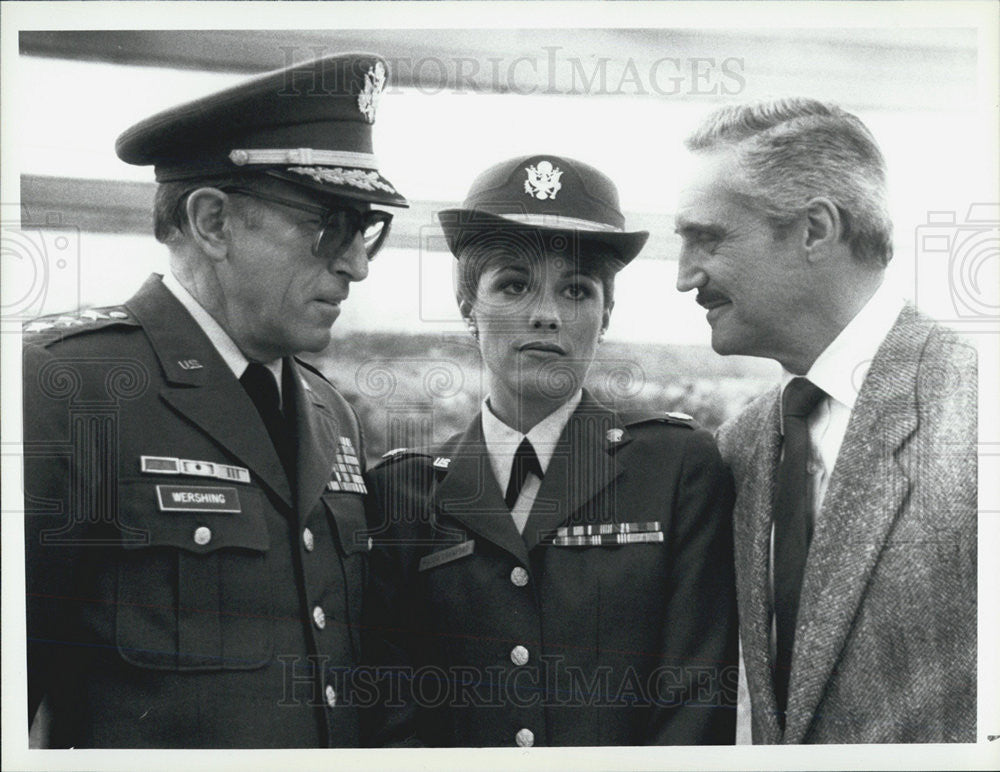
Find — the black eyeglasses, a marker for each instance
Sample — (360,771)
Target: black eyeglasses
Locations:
(338,225)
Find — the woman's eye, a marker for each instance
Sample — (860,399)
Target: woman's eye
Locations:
(577,291)
(514,287)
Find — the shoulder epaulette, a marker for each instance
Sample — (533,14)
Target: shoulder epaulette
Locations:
(672,418)
(398,454)
(60,326)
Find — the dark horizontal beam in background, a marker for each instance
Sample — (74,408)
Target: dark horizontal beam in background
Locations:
(906,69)
(113,206)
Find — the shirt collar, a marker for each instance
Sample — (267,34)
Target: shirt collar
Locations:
(502,441)
(843,365)
(220,339)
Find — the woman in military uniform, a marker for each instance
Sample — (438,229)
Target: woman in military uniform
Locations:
(558,573)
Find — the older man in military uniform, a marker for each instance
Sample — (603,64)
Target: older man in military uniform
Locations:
(195,508)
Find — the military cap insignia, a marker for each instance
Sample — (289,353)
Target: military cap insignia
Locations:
(357,178)
(369,96)
(543,180)
(615,435)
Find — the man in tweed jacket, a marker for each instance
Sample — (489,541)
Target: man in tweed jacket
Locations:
(786,237)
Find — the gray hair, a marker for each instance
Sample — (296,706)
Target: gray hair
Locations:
(793,150)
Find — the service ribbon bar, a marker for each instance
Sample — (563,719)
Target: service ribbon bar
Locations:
(602,529)
(608,539)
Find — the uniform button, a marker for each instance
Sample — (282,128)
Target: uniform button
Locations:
(308,541)
(519,655)
(331,696)
(519,576)
(202,536)
(319,617)
(524,738)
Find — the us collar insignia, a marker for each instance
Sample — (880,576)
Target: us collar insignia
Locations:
(370,94)
(543,180)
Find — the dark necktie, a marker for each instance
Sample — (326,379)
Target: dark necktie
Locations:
(792,523)
(525,461)
(260,385)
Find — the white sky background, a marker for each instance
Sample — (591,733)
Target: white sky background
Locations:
(431,145)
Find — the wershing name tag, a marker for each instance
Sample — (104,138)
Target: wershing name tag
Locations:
(197,498)
(441,557)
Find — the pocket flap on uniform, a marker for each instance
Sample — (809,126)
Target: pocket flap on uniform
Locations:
(348,515)
(198,518)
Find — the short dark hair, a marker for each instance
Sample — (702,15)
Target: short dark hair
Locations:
(792,150)
(594,259)
(169,219)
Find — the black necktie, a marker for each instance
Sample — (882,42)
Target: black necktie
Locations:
(260,385)
(525,461)
(792,523)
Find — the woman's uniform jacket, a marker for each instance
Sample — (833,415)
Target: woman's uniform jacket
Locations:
(487,637)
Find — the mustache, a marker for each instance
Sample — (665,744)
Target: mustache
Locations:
(708,297)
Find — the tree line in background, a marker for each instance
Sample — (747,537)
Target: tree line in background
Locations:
(418,390)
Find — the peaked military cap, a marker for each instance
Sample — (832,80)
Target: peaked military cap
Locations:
(309,124)
(545,193)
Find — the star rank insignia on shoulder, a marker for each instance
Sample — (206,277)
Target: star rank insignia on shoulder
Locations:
(59,326)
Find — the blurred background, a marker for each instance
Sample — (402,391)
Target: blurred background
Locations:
(462,99)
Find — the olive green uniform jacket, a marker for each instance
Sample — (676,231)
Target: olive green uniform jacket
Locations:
(183,609)
(488,637)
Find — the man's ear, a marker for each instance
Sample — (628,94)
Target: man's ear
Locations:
(209,212)
(824,228)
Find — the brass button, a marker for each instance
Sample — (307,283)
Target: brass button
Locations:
(524,738)
(331,696)
(307,540)
(319,617)
(519,577)
(519,655)
(202,536)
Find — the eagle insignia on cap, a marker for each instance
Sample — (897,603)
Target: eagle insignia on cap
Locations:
(543,180)
(369,96)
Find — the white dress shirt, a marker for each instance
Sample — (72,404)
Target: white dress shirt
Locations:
(225,345)
(840,371)
(502,443)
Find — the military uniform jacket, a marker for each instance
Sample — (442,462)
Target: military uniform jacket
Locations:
(885,645)
(487,637)
(198,599)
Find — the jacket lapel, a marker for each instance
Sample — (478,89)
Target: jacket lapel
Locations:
(201,387)
(867,490)
(469,494)
(581,467)
(318,433)
(752,532)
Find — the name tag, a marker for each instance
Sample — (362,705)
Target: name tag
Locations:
(197,498)
(441,557)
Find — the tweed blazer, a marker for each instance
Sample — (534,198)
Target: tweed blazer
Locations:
(885,649)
